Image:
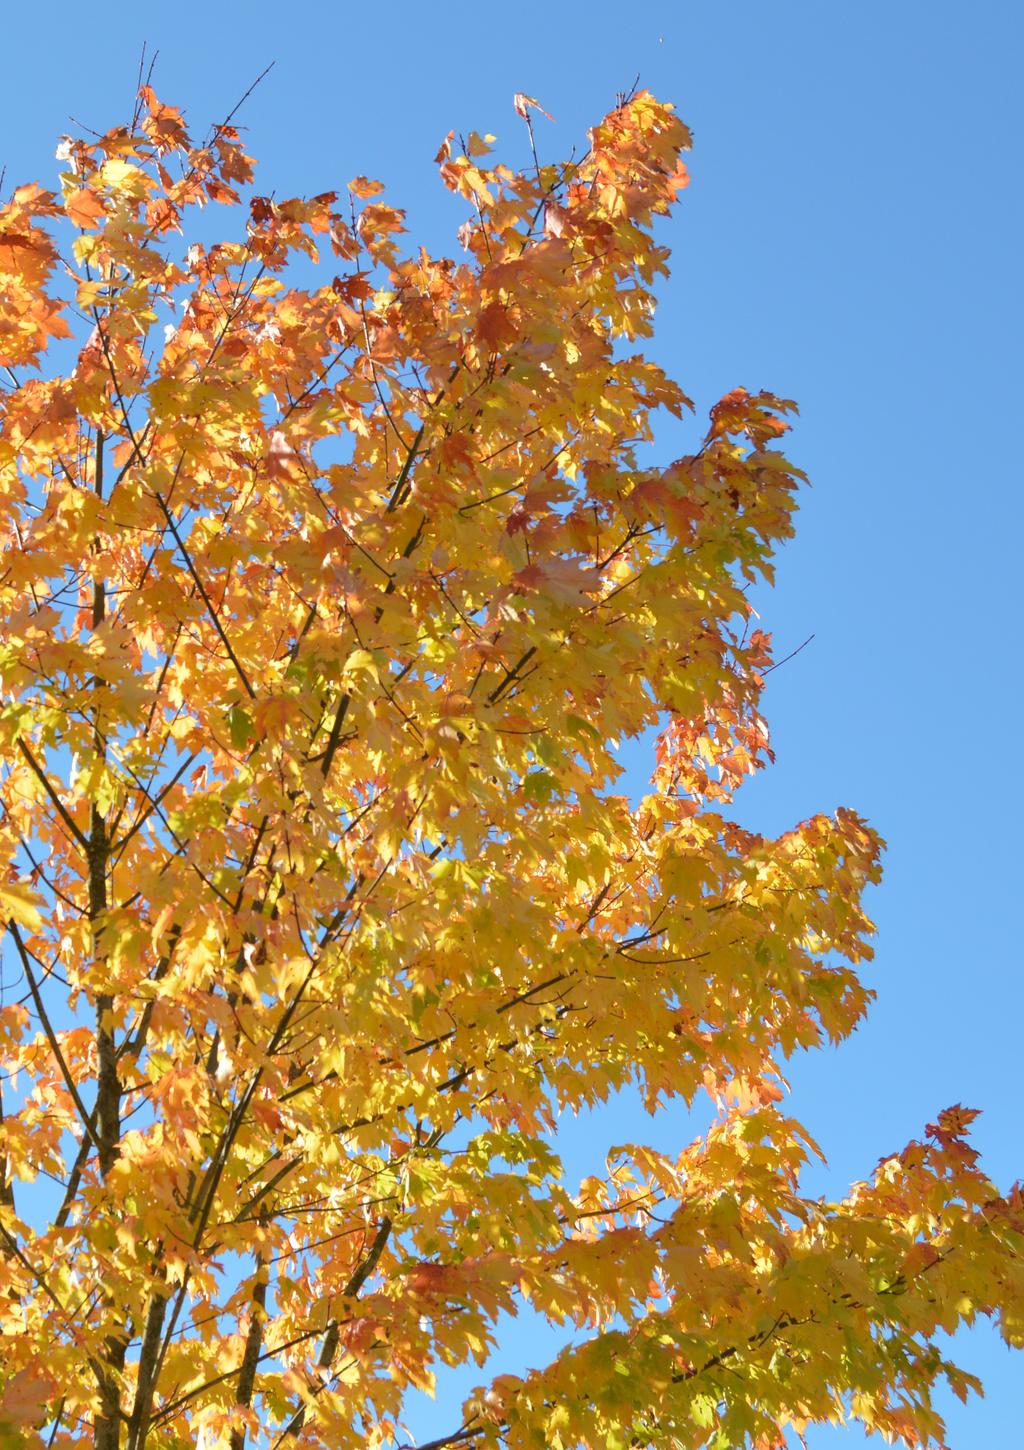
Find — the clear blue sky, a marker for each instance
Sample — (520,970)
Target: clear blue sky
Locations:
(852,239)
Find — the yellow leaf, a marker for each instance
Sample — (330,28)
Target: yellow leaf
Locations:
(19,903)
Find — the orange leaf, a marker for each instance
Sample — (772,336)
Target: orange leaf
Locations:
(362,186)
(524,103)
(84,207)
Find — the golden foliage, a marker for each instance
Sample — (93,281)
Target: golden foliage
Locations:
(332,577)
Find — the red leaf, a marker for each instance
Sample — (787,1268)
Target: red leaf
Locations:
(560,579)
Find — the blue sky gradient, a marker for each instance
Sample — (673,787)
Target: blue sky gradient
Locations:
(851,239)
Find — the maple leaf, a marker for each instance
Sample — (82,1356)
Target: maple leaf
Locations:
(495,327)
(19,903)
(556,218)
(85,208)
(524,104)
(363,187)
(560,579)
(23,1399)
(164,125)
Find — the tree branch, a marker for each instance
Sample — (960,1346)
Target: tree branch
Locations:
(77,833)
(51,1036)
(329,1347)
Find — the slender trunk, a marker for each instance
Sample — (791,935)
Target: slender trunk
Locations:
(6,1194)
(108,1086)
(253,1346)
(138,1426)
(108,1091)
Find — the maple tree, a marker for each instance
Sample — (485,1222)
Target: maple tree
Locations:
(324,608)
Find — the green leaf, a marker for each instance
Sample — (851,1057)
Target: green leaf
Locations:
(240,727)
(539,786)
(583,727)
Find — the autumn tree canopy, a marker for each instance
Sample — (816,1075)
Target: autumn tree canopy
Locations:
(333,574)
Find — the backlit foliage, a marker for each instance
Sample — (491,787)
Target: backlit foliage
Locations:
(333,575)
